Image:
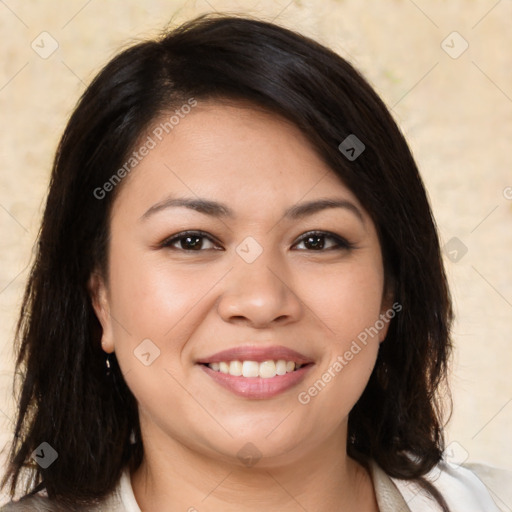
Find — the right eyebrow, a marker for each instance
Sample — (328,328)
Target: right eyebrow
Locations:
(201,205)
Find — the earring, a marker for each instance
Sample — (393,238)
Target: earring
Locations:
(107,363)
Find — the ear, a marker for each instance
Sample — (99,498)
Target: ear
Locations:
(100,302)
(387,311)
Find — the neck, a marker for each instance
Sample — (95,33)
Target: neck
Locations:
(178,478)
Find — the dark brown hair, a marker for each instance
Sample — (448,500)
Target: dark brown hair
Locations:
(66,398)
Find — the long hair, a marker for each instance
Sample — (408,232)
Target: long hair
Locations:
(65,397)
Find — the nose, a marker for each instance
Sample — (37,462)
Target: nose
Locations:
(259,294)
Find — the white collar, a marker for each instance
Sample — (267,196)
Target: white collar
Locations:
(388,496)
(460,487)
(126,493)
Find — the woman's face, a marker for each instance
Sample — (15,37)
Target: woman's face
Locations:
(251,278)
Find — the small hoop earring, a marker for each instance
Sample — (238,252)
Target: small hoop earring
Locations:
(107,364)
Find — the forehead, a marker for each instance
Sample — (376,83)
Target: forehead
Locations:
(234,152)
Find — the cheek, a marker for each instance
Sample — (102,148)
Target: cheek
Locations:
(150,299)
(155,301)
(336,388)
(156,309)
(348,300)
(349,304)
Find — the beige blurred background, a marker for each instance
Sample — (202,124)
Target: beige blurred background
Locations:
(453,103)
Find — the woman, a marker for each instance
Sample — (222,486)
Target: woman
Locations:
(238,300)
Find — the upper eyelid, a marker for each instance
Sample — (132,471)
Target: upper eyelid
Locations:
(178,236)
(183,234)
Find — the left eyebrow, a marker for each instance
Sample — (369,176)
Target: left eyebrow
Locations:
(301,210)
(216,209)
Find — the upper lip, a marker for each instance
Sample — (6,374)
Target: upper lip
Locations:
(256,353)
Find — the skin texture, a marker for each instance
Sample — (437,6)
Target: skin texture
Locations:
(194,303)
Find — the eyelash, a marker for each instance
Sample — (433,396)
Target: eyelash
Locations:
(340,242)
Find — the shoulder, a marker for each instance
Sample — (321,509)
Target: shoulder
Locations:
(32,503)
(121,499)
(44,504)
(498,481)
(465,488)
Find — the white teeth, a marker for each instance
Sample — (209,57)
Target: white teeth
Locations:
(265,370)
(250,369)
(235,368)
(281,367)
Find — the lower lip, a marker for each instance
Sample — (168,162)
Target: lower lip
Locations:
(256,387)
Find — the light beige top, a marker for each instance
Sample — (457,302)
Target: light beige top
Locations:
(461,488)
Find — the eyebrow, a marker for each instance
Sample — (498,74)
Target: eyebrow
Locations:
(215,209)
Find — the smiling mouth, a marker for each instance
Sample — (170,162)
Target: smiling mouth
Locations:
(253,369)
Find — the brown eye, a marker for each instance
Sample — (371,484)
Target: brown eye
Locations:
(189,241)
(316,241)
